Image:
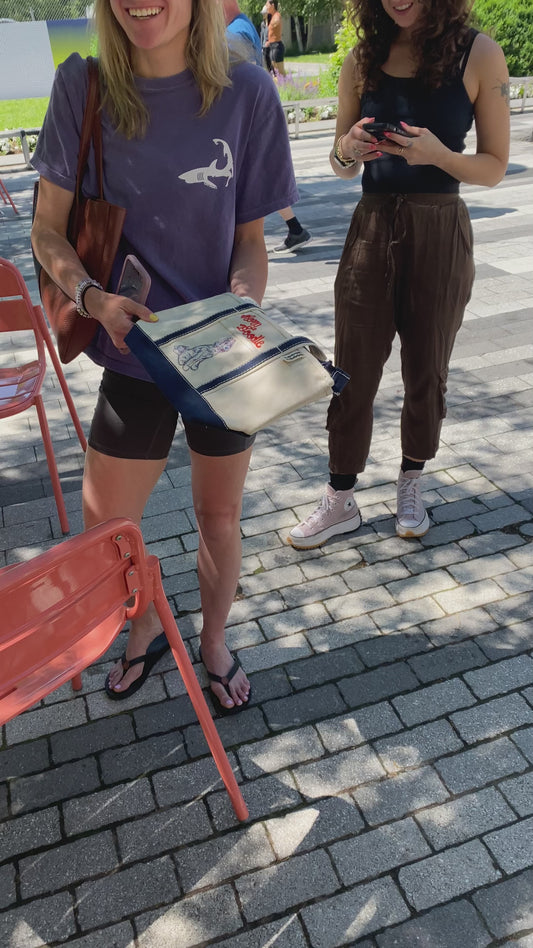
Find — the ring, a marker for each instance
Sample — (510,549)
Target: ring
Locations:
(402,149)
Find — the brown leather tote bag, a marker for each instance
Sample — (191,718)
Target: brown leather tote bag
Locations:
(94,230)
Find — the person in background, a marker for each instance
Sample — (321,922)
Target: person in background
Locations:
(274,42)
(186,138)
(407,265)
(244,41)
(267,62)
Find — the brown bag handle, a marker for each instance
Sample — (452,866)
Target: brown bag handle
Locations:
(91,130)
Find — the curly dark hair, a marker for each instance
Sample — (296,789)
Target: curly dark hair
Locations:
(438,42)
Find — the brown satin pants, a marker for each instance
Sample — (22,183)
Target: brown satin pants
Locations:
(407,267)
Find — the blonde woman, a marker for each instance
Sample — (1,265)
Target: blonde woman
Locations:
(185,150)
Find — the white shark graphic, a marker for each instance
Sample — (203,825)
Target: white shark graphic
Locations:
(204,175)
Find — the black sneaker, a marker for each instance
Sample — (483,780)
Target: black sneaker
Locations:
(292,241)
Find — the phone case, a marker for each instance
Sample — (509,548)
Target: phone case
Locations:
(134,281)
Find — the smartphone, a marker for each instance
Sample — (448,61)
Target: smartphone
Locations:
(378,128)
(134,281)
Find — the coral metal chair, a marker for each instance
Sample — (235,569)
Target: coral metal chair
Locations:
(63,609)
(5,195)
(20,385)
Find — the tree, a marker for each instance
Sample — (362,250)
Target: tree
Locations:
(303,12)
(510,23)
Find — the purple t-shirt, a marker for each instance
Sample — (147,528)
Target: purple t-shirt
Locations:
(185,185)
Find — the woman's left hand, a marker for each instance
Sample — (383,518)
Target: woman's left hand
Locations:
(424,148)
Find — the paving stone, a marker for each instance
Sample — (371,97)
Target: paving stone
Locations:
(266,685)
(448,661)
(275,652)
(406,616)
(498,519)
(524,740)
(519,792)
(392,646)
(232,730)
(396,796)
(263,797)
(294,620)
(7,885)
(319,669)
(512,847)
(108,806)
(142,757)
(492,718)
(91,738)
(340,634)
(165,716)
(39,922)
(375,685)
(434,558)
(510,640)
(314,826)
(338,773)
(488,543)
(23,759)
(501,677)
(316,591)
(447,875)
(507,907)
(287,933)
(40,790)
(187,782)
(461,819)
(448,926)
(378,851)
(162,831)
(358,726)
(49,720)
(424,584)
(378,575)
(433,702)
(115,936)
(417,746)
(288,883)
(480,765)
(119,895)
(207,915)
(349,916)
(481,568)
(279,752)
(510,610)
(310,705)
(28,832)
(473,622)
(64,865)
(212,862)
(346,605)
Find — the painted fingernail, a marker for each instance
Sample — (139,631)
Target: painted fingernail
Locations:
(154,318)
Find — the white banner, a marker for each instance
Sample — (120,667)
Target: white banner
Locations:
(26,63)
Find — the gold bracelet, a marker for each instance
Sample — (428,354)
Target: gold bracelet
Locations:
(340,158)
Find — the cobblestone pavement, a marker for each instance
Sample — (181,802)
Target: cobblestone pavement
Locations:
(388,758)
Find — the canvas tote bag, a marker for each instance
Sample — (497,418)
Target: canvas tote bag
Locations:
(223,362)
(94,230)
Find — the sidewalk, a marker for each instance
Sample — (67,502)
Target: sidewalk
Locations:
(387,760)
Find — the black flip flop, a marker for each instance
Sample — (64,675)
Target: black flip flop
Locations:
(225,680)
(154,652)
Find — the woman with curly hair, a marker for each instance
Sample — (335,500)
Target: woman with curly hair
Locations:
(186,140)
(407,265)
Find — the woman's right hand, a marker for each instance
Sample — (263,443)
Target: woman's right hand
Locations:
(358,144)
(116,314)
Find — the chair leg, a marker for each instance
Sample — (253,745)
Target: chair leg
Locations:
(45,332)
(198,700)
(76,683)
(6,197)
(52,466)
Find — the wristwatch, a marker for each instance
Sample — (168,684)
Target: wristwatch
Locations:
(340,158)
(80,292)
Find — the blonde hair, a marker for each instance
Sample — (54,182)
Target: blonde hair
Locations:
(206,55)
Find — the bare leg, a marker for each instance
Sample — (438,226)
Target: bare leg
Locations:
(217,485)
(120,487)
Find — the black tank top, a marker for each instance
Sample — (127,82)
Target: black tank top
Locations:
(446,111)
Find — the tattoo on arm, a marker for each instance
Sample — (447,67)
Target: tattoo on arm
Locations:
(504,90)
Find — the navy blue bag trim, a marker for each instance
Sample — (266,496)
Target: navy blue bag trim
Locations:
(176,333)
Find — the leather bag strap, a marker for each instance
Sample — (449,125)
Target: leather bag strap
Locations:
(91,130)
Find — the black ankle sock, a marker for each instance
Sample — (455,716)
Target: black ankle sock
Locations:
(342,481)
(408,465)
(294,226)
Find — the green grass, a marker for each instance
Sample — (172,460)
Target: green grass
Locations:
(22,113)
(308,58)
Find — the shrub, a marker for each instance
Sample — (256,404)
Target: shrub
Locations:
(510,23)
(345,40)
